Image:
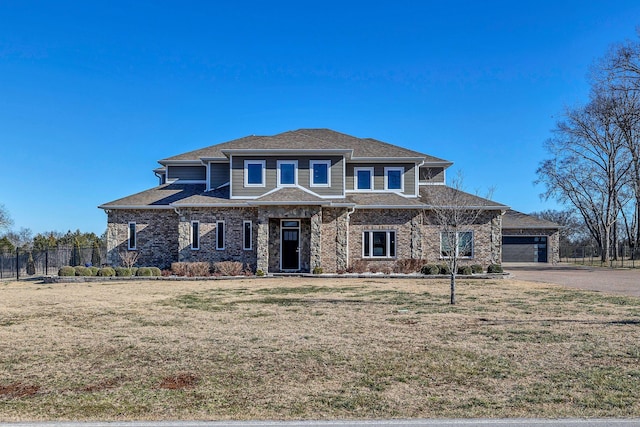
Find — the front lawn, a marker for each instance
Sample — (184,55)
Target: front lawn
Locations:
(291,348)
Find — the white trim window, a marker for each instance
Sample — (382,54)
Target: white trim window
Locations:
(379,244)
(254,173)
(287,173)
(220,235)
(247,235)
(132,236)
(320,173)
(462,241)
(195,235)
(394,179)
(363,179)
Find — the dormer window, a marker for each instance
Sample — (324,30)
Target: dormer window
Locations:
(363,178)
(254,173)
(287,173)
(393,179)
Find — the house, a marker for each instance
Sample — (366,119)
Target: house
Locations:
(295,201)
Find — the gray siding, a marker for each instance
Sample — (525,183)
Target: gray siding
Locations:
(378,179)
(219,174)
(431,175)
(187,173)
(237,175)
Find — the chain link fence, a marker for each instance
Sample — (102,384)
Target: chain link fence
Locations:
(16,264)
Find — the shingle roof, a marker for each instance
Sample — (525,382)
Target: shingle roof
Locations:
(514,219)
(437,195)
(307,139)
(289,195)
(158,197)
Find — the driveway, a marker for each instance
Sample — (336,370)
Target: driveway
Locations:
(618,281)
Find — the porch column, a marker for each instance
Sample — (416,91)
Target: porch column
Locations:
(316,240)
(262,251)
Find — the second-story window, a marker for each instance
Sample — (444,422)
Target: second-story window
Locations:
(254,173)
(319,173)
(393,179)
(363,178)
(287,173)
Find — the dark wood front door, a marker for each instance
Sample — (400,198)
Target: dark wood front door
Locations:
(290,249)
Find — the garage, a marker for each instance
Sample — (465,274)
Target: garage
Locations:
(526,238)
(524,249)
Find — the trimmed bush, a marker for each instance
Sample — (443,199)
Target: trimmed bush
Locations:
(317,270)
(228,268)
(465,270)
(143,272)
(123,271)
(83,271)
(495,268)
(430,269)
(179,268)
(106,272)
(477,269)
(156,272)
(134,270)
(259,273)
(67,271)
(94,270)
(358,266)
(444,269)
(191,269)
(407,266)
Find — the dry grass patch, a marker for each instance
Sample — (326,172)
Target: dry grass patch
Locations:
(315,348)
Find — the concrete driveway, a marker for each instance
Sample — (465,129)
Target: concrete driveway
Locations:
(618,281)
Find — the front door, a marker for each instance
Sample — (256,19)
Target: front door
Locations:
(290,247)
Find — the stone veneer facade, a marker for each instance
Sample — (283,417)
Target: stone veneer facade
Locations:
(330,238)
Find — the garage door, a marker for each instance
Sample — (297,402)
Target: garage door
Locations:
(524,249)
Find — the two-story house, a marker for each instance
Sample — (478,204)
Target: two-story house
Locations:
(292,202)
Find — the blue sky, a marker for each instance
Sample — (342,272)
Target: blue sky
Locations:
(93,93)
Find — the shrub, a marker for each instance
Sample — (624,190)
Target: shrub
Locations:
(94,270)
(134,270)
(259,273)
(106,272)
(317,270)
(495,268)
(386,269)
(430,269)
(123,271)
(358,266)
(199,269)
(477,269)
(407,266)
(228,268)
(179,268)
(67,271)
(143,272)
(156,272)
(444,269)
(465,270)
(83,271)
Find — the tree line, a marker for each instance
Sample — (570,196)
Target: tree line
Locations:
(594,163)
(24,239)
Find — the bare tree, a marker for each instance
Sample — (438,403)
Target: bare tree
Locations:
(455,213)
(589,167)
(129,258)
(618,73)
(5,219)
